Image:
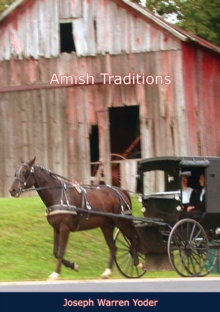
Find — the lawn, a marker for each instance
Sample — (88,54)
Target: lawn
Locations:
(26,251)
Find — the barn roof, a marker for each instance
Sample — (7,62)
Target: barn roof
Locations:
(140,11)
(176,31)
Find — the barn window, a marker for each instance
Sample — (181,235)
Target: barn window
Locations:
(94,143)
(125,131)
(94,150)
(66,38)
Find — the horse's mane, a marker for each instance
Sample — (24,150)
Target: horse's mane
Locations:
(51,173)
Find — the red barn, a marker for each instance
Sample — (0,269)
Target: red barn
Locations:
(82,80)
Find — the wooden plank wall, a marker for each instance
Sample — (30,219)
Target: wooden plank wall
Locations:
(202,93)
(54,124)
(99,27)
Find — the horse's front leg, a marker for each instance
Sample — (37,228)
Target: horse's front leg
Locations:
(60,242)
(68,264)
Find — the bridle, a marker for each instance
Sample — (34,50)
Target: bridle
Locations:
(23,183)
(64,204)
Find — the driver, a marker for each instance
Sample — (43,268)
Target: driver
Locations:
(196,207)
(188,194)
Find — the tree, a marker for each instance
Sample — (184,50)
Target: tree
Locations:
(4,4)
(201,17)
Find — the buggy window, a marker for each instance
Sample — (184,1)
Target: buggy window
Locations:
(153,181)
(194,178)
(160,181)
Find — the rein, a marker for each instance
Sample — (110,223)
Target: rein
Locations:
(22,189)
(55,174)
(46,187)
(64,206)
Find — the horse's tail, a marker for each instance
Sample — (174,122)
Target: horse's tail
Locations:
(128,197)
(139,240)
(133,228)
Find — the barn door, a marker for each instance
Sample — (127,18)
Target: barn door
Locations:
(125,144)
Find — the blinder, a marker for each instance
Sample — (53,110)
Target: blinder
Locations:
(23,182)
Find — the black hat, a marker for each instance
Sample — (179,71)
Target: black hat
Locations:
(185,174)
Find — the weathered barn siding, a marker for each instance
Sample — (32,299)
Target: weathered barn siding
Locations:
(202,94)
(54,124)
(71,8)
(53,121)
(31,31)
(98,28)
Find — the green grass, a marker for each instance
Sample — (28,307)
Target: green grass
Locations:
(26,251)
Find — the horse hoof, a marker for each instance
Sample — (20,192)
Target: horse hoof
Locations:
(106,274)
(53,276)
(75,267)
(140,266)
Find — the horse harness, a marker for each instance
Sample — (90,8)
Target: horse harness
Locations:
(64,207)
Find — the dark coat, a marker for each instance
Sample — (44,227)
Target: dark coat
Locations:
(192,201)
(199,205)
(197,213)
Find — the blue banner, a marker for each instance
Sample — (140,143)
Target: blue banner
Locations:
(56,302)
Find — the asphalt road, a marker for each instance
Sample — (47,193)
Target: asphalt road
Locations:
(207,284)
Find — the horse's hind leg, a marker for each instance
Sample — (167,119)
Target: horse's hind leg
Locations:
(128,230)
(60,242)
(108,234)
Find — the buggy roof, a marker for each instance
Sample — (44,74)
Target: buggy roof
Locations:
(171,162)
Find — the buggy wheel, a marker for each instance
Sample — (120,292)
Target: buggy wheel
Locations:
(188,249)
(123,258)
(211,261)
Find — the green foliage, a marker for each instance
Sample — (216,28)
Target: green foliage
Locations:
(4,4)
(201,17)
(26,251)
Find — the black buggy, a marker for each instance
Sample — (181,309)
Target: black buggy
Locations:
(192,245)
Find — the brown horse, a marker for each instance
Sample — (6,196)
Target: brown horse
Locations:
(61,201)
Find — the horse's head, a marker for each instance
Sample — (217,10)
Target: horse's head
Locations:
(23,178)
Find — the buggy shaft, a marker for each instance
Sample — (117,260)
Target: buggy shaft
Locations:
(114,215)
